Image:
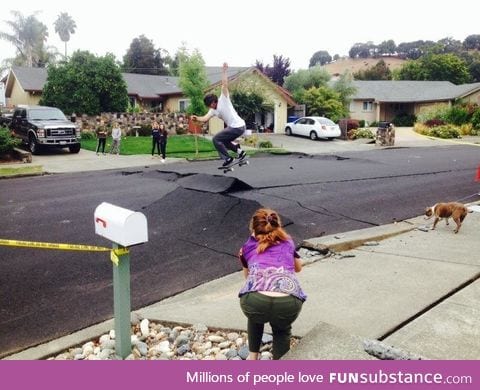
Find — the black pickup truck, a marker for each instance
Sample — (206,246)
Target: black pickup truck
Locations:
(44,127)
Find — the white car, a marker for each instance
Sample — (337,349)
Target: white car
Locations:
(313,127)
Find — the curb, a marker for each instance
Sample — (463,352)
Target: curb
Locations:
(355,238)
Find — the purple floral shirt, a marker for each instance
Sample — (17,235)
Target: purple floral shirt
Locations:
(271,270)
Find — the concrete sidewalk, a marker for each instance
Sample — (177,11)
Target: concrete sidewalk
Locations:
(416,289)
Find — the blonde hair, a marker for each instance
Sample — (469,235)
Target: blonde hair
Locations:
(266,227)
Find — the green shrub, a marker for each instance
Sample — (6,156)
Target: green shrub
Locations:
(404,120)
(476,119)
(421,128)
(7,142)
(251,140)
(466,129)
(447,131)
(438,112)
(87,134)
(265,144)
(457,115)
(361,133)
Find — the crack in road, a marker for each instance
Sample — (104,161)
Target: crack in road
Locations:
(360,179)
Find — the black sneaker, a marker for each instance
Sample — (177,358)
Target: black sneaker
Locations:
(242,155)
(227,162)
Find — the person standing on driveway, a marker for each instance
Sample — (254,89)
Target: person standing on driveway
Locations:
(223,108)
(272,292)
(163,140)
(102,137)
(116,138)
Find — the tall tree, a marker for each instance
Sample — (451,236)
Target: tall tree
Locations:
(320,57)
(277,72)
(472,42)
(307,78)
(142,57)
(379,71)
(193,80)
(86,84)
(29,36)
(64,26)
(436,67)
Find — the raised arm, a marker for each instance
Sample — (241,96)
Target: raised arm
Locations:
(225,79)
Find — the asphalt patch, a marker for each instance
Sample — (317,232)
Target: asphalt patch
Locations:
(216,184)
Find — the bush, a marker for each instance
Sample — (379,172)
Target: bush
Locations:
(265,144)
(361,123)
(466,129)
(350,123)
(404,120)
(421,128)
(251,140)
(447,131)
(438,112)
(434,122)
(476,119)
(457,115)
(87,134)
(7,142)
(361,133)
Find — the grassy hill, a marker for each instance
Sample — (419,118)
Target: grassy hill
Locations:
(354,65)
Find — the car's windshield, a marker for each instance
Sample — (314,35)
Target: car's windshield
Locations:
(46,114)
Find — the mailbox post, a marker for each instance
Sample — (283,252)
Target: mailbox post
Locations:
(124,228)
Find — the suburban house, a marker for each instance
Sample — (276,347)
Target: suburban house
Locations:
(162,93)
(376,101)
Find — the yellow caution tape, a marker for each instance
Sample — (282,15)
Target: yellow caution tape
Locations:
(114,253)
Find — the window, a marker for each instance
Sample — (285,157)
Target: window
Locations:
(367,106)
(183,104)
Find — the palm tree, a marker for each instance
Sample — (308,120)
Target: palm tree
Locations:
(64,26)
(28,37)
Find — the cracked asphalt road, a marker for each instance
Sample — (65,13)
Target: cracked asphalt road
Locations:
(197,220)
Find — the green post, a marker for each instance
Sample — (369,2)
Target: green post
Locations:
(121,304)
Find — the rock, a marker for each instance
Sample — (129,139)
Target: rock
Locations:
(243,352)
(144,327)
(216,339)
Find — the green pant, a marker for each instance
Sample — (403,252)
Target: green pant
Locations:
(280,312)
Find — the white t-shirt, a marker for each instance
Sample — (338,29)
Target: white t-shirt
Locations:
(116,133)
(227,113)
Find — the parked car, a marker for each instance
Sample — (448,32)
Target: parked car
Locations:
(5,119)
(313,127)
(44,127)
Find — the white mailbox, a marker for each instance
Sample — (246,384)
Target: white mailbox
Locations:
(122,226)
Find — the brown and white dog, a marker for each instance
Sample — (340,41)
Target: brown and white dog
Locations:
(454,210)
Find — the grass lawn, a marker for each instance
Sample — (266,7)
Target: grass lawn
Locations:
(20,170)
(177,146)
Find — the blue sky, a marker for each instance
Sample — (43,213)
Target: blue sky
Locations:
(239,32)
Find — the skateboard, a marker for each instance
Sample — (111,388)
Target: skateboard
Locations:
(230,168)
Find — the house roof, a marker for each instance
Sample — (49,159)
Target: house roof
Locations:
(30,79)
(140,85)
(150,86)
(399,91)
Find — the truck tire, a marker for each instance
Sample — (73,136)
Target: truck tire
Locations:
(33,145)
(74,148)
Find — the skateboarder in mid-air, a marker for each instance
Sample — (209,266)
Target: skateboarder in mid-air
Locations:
(222,107)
